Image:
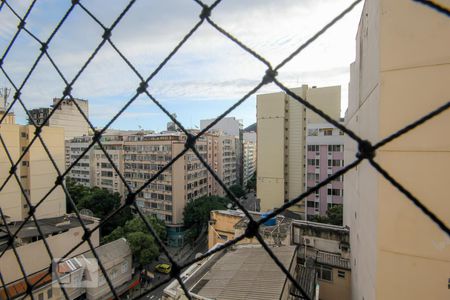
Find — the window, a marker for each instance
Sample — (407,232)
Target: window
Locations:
(325,273)
(328,131)
(341,274)
(335,148)
(334,192)
(124,266)
(25,163)
(49,293)
(41,296)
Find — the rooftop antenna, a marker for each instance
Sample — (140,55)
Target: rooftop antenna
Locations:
(4,94)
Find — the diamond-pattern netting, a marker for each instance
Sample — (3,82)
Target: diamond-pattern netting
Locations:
(367,151)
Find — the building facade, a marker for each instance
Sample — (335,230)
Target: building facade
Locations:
(249,156)
(35,171)
(66,116)
(400,74)
(324,157)
(327,248)
(82,172)
(281,141)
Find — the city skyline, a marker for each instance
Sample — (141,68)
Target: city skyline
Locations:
(204,78)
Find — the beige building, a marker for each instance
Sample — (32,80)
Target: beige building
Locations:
(103,173)
(401,73)
(281,141)
(35,171)
(327,248)
(66,116)
(225,225)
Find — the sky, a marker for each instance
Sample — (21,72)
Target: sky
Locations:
(205,77)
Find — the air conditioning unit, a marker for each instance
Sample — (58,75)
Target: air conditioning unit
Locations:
(308,241)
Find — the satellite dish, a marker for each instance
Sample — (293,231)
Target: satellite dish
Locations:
(229,205)
(86,212)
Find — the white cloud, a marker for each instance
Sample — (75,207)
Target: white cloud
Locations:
(207,67)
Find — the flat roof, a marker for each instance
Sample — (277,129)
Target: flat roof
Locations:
(48,226)
(245,273)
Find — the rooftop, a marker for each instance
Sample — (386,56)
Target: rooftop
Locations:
(48,226)
(244,272)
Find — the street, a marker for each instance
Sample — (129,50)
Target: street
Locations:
(183,256)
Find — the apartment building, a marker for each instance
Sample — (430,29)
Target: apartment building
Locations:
(248,156)
(82,172)
(228,168)
(103,173)
(400,73)
(281,141)
(168,194)
(39,115)
(35,171)
(66,116)
(233,128)
(324,157)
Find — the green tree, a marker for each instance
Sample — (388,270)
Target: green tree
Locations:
(334,216)
(237,190)
(101,202)
(143,245)
(196,213)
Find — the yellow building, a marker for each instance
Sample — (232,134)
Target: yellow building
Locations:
(35,171)
(281,140)
(401,72)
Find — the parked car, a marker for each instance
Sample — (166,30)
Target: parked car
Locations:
(163,268)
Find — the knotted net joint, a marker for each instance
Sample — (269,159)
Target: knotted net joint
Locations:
(175,271)
(190,141)
(21,24)
(59,180)
(142,87)
(130,199)
(31,210)
(269,76)
(96,137)
(44,47)
(87,235)
(252,229)
(206,12)
(365,150)
(67,91)
(107,34)
(17,95)
(13,169)
(38,130)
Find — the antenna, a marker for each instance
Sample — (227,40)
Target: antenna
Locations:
(4,94)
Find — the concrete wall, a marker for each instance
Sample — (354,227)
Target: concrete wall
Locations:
(401,73)
(270,109)
(68,116)
(10,195)
(42,174)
